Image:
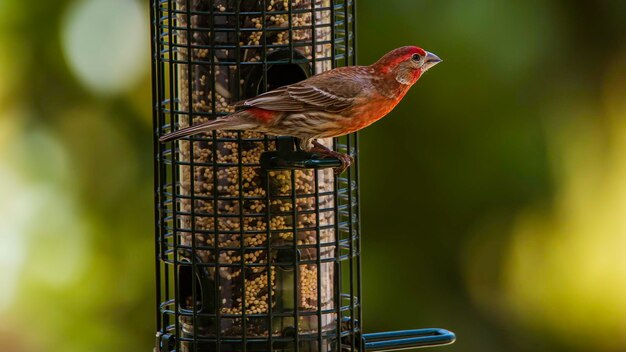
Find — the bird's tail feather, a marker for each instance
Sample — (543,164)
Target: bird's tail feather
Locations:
(224,124)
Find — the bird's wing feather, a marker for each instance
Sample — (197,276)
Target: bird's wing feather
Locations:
(315,93)
(277,100)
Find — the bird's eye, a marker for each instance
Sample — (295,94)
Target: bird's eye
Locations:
(416,57)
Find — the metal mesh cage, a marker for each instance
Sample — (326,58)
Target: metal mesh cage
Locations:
(257,250)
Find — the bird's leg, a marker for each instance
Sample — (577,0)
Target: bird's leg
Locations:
(346,160)
(298,143)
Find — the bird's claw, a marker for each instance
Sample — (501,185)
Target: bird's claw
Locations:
(346,161)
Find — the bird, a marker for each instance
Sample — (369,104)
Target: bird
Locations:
(330,104)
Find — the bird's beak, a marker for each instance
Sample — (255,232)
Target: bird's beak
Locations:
(430,61)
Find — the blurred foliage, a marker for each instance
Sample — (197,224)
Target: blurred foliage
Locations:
(503,171)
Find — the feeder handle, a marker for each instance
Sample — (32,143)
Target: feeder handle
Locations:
(404,339)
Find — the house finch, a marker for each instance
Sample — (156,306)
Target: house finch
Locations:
(331,104)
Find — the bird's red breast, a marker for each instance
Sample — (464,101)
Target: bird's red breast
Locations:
(375,109)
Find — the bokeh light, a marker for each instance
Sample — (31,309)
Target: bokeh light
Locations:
(566,270)
(105,43)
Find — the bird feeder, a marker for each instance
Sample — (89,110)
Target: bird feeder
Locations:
(258,245)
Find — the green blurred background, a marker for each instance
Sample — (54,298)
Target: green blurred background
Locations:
(494,196)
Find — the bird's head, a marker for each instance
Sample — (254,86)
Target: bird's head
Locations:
(406,64)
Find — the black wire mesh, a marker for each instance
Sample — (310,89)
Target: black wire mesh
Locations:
(250,258)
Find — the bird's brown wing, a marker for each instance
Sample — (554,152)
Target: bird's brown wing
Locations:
(277,99)
(322,92)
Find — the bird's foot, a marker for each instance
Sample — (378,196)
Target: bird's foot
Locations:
(346,160)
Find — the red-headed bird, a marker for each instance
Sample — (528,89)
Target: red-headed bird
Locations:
(331,104)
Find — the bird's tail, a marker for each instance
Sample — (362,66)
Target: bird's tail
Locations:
(230,122)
